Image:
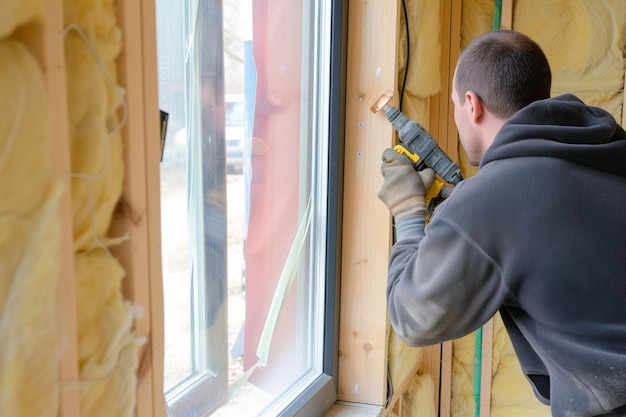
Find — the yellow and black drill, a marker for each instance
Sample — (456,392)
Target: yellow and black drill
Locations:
(419,146)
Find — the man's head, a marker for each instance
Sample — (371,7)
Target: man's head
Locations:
(497,74)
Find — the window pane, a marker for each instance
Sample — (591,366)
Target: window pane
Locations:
(244,197)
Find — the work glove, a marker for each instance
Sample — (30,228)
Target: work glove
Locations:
(446,191)
(404,188)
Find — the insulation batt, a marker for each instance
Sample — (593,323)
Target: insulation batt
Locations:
(107,349)
(93,105)
(15,13)
(29,240)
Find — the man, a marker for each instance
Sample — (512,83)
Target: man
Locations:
(539,234)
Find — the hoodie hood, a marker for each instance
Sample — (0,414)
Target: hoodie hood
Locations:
(562,127)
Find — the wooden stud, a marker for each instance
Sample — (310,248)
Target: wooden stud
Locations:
(451,144)
(444,94)
(371,69)
(445,392)
(624,101)
(138,212)
(153,151)
(397,408)
(47,45)
(441,110)
(431,365)
(353,410)
(486,369)
(506,18)
(152,126)
(442,126)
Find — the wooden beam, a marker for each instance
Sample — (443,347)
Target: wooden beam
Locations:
(353,410)
(445,391)
(441,110)
(624,97)
(506,18)
(138,212)
(371,69)
(451,143)
(443,119)
(444,94)
(436,361)
(48,46)
(451,26)
(624,100)
(152,123)
(486,369)
(431,365)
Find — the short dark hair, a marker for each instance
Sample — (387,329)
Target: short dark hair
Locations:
(506,69)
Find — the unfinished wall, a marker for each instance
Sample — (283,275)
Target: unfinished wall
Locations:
(584,42)
(30,226)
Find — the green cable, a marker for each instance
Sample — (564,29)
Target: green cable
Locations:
(478,369)
(478,338)
(497,15)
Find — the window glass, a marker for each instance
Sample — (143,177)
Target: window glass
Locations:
(244,195)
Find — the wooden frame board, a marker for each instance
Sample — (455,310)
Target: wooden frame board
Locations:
(52,60)
(138,212)
(443,127)
(363,330)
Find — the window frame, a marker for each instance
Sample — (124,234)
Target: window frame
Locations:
(322,392)
(319,396)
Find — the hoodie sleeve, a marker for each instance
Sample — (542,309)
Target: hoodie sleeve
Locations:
(432,296)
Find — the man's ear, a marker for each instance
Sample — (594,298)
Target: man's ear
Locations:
(475,106)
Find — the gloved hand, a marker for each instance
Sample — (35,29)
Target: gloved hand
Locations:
(404,189)
(446,191)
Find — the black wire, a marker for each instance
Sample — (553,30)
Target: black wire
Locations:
(408,52)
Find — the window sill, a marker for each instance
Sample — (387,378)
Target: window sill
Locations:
(353,410)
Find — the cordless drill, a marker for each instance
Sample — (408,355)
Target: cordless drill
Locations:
(419,146)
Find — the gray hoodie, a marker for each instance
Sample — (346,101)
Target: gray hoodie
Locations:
(539,234)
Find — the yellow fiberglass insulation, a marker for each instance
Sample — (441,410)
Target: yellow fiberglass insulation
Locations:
(29,240)
(584,43)
(15,13)
(106,346)
(418,398)
(94,101)
(424,75)
(402,359)
(583,40)
(511,395)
